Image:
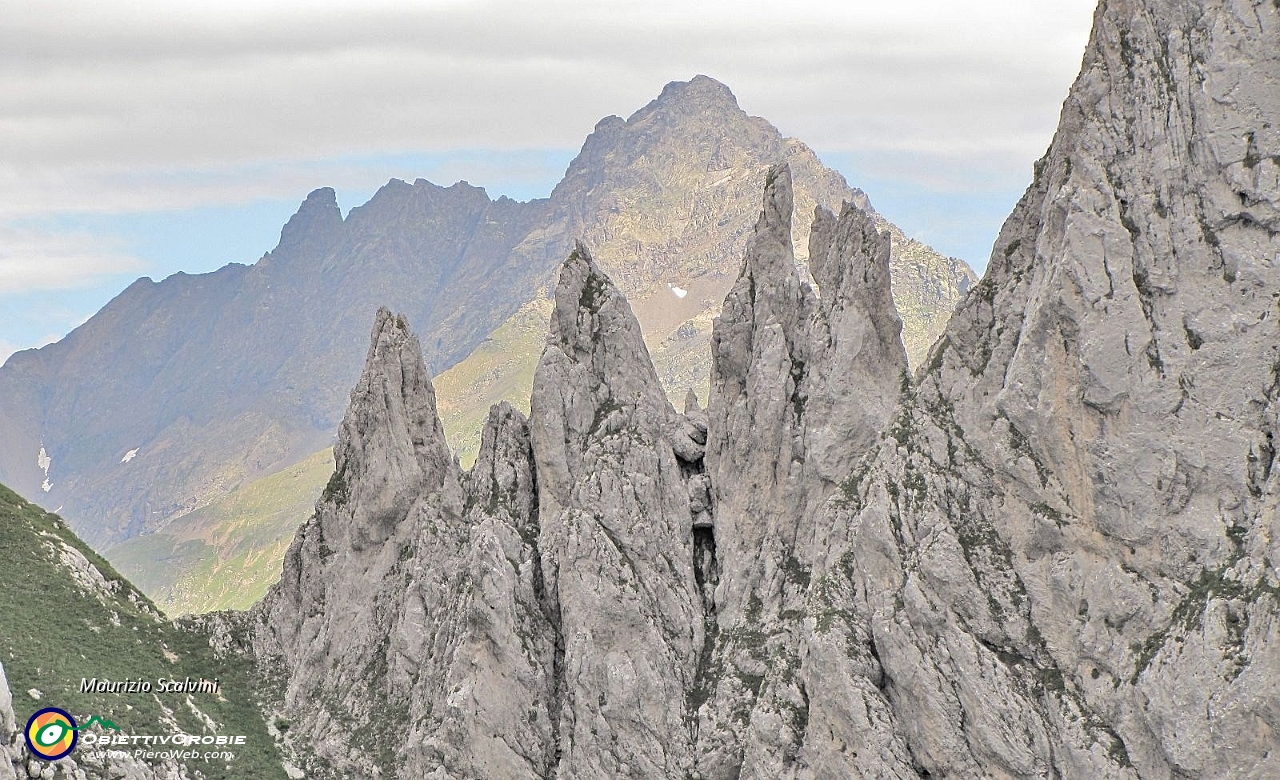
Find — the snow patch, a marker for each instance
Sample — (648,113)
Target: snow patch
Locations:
(130,455)
(680,292)
(44,462)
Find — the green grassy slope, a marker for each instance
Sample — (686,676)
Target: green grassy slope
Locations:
(66,614)
(500,369)
(226,554)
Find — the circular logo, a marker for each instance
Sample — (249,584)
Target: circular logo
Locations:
(51,734)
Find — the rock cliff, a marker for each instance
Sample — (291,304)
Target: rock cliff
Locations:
(1065,548)
(1049,553)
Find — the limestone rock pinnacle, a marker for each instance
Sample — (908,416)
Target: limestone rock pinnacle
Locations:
(617,536)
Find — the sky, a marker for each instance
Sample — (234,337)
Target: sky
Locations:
(145,137)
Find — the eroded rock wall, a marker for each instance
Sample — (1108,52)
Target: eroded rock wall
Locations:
(1050,553)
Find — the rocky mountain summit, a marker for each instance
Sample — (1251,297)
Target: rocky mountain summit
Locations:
(1050,552)
(181,391)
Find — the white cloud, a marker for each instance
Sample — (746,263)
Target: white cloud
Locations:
(100,91)
(33,259)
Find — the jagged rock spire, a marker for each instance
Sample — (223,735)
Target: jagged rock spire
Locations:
(391,446)
(597,378)
(802,386)
(372,578)
(504,479)
(616,544)
(311,231)
(858,359)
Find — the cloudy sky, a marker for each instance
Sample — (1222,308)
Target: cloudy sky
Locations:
(143,138)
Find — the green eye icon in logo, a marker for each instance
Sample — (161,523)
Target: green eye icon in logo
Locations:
(51,734)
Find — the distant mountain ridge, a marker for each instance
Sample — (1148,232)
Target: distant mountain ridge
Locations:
(212,380)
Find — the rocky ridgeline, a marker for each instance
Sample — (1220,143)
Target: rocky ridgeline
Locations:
(589,599)
(1051,553)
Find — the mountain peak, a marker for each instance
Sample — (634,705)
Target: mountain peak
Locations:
(584,296)
(309,230)
(700,90)
(391,441)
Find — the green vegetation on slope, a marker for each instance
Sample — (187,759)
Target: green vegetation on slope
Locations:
(225,555)
(67,615)
(500,369)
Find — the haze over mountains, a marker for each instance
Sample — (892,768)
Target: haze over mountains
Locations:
(181,391)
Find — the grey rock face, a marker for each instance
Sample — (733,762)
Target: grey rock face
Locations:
(1051,553)
(613,465)
(801,386)
(1063,549)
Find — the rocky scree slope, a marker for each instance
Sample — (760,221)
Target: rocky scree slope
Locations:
(1051,553)
(180,391)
